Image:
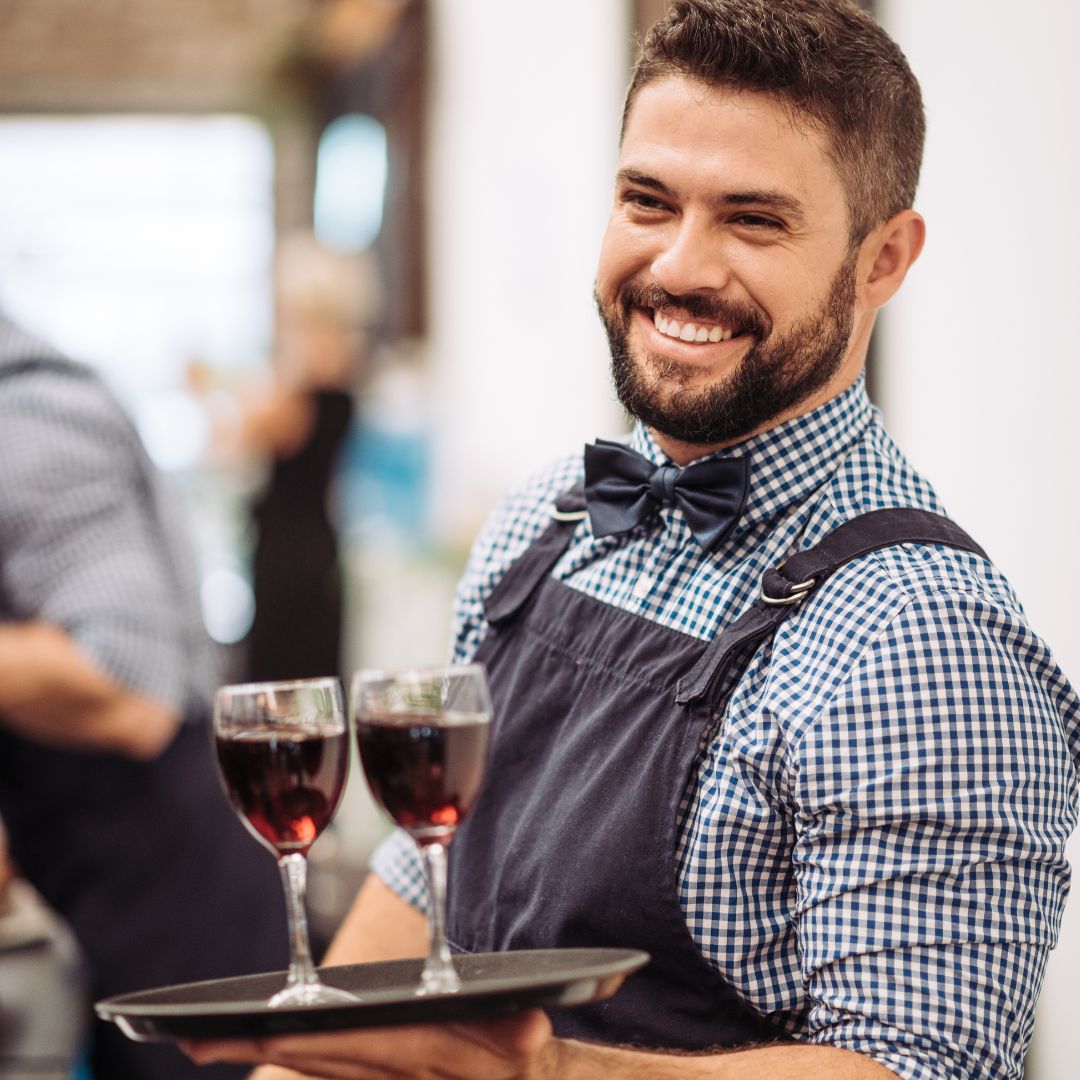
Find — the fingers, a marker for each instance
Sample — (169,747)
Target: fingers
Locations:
(279,1058)
(501,1049)
(524,1034)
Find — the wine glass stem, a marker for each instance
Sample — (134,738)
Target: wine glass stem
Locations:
(294,877)
(439,975)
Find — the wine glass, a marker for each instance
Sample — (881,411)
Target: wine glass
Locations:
(423,738)
(283,753)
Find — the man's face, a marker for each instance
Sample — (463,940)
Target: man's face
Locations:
(726,280)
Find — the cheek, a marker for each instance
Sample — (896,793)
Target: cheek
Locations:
(778,285)
(624,254)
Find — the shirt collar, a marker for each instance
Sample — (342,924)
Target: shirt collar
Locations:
(789,461)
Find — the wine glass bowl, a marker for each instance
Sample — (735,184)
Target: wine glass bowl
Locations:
(423,739)
(283,754)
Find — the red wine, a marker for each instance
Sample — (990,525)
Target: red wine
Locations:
(424,770)
(285,782)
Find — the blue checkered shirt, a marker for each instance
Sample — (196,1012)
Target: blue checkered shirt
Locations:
(91,537)
(872,848)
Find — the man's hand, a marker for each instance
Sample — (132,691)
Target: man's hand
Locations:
(520,1048)
(512,1048)
(382,926)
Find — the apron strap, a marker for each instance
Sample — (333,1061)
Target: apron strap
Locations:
(525,575)
(784,587)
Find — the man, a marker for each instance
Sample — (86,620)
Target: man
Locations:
(832,803)
(39,961)
(108,789)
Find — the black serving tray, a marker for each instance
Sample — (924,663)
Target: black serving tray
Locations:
(493,984)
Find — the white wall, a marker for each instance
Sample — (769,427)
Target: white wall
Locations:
(980,362)
(526,102)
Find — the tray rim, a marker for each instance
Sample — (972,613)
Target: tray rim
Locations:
(154,1021)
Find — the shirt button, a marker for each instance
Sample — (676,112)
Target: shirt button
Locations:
(643,586)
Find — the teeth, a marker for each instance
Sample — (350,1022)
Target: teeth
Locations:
(690,331)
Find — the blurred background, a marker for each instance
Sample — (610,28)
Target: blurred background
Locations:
(155,157)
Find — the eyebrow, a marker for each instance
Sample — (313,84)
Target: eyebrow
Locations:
(764,197)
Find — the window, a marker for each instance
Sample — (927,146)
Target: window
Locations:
(350,182)
(139,244)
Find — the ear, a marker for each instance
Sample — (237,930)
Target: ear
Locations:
(885,256)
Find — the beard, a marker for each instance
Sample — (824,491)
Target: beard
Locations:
(775,375)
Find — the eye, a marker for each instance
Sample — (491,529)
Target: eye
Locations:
(758,221)
(643,200)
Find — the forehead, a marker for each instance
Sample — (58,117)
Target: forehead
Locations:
(697,134)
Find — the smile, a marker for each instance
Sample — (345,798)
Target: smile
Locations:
(690,331)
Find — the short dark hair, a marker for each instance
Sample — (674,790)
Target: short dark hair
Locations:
(829,61)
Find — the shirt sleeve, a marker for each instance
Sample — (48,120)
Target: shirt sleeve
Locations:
(78,534)
(946,1012)
(935,792)
(397,862)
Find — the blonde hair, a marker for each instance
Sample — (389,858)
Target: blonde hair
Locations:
(341,290)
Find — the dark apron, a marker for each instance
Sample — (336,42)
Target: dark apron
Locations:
(600,719)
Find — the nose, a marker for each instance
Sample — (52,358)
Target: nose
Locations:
(692,259)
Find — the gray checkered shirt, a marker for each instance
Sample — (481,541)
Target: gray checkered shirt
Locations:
(90,539)
(872,848)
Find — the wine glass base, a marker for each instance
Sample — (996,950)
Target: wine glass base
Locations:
(310,994)
(441,982)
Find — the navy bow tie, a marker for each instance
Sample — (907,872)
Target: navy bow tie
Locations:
(624,489)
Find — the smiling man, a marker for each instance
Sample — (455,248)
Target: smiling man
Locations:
(761,709)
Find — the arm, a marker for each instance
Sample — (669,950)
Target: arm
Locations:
(274,419)
(94,632)
(935,791)
(931,876)
(46,682)
(381,926)
(521,1048)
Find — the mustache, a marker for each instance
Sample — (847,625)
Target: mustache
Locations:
(740,317)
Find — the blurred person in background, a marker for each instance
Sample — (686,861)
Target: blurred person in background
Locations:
(294,426)
(108,786)
(761,711)
(40,961)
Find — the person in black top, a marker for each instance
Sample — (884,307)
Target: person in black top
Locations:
(296,569)
(297,426)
